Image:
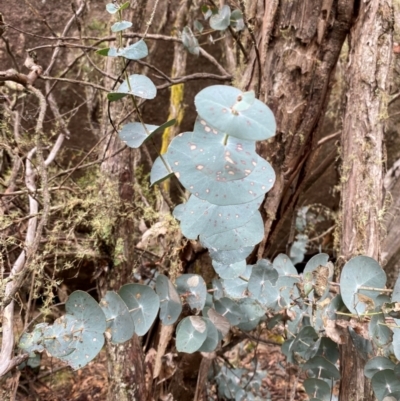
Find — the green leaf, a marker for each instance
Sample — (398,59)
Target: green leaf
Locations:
(215,104)
(252,312)
(318,389)
(119,321)
(120,26)
(143,304)
(194,288)
(191,333)
(360,271)
(377,364)
(170,302)
(140,85)
(328,349)
(159,171)
(221,20)
(385,383)
(125,6)
(190,41)
(103,52)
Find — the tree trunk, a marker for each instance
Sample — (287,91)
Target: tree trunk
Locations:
(362,159)
(299,43)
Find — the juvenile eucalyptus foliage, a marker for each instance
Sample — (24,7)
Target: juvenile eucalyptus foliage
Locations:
(227,181)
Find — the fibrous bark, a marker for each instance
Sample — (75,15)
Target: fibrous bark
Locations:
(362,158)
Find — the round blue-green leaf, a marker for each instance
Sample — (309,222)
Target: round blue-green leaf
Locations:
(191,333)
(377,364)
(143,304)
(322,273)
(170,302)
(237,22)
(212,339)
(360,271)
(385,383)
(84,307)
(221,20)
(136,51)
(229,271)
(111,8)
(140,86)
(120,26)
(58,339)
(321,259)
(229,257)
(31,342)
(396,342)
(197,216)
(285,267)
(321,367)
(134,134)
(263,276)
(252,312)
(249,234)
(245,101)
(190,41)
(317,388)
(194,288)
(119,321)
(198,26)
(215,104)
(215,190)
(379,332)
(217,287)
(328,349)
(160,171)
(236,288)
(220,156)
(304,339)
(229,309)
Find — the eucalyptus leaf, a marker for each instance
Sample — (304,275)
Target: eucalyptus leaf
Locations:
(229,309)
(322,368)
(190,41)
(159,171)
(317,388)
(191,333)
(263,277)
(139,85)
(212,339)
(221,20)
(193,287)
(377,364)
(120,26)
(170,302)
(135,51)
(229,271)
(119,321)
(385,383)
(360,271)
(215,105)
(143,304)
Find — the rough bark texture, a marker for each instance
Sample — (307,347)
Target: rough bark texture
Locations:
(299,44)
(362,158)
